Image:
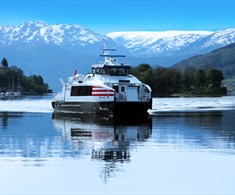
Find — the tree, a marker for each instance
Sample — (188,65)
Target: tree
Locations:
(165,81)
(143,67)
(200,78)
(176,80)
(214,78)
(144,72)
(188,78)
(4,62)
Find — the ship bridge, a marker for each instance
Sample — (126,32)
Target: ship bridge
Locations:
(112,70)
(110,66)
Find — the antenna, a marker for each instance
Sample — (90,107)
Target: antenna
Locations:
(105,50)
(109,58)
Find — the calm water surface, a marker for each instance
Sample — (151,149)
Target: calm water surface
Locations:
(186,146)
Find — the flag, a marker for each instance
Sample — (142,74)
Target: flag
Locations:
(75,72)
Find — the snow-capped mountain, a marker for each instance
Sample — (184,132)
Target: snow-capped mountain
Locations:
(173,43)
(54,51)
(157,43)
(40,32)
(213,41)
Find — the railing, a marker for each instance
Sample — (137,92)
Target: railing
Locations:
(144,97)
(141,97)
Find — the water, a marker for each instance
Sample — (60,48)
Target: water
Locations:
(186,146)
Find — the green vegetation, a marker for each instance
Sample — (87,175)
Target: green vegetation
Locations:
(190,81)
(14,76)
(222,59)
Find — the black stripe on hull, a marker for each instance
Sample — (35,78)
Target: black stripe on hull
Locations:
(116,108)
(84,107)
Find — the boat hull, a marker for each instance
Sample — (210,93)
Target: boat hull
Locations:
(83,107)
(116,108)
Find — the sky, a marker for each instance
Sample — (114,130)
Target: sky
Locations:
(103,16)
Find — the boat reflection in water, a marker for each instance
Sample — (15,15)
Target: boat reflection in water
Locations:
(108,139)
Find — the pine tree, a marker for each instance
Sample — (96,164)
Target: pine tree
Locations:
(4,62)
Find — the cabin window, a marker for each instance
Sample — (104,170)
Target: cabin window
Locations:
(81,91)
(96,70)
(115,87)
(102,71)
(122,89)
(106,71)
(119,71)
(114,71)
(122,72)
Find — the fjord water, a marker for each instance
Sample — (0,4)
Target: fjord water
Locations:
(186,146)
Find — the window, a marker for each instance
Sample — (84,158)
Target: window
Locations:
(122,89)
(114,71)
(110,70)
(97,70)
(81,91)
(115,87)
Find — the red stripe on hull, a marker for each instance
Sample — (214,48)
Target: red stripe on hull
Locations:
(97,88)
(102,95)
(101,90)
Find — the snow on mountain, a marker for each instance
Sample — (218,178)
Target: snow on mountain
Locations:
(139,44)
(144,43)
(218,39)
(41,32)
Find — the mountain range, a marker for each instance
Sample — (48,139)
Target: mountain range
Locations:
(55,51)
(169,47)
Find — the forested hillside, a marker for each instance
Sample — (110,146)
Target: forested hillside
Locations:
(12,78)
(172,81)
(223,59)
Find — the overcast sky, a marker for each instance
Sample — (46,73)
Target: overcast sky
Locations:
(105,16)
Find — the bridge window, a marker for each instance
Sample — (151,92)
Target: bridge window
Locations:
(113,71)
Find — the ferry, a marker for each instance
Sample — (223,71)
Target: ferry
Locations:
(108,89)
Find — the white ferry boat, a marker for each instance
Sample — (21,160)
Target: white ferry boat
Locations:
(108,89)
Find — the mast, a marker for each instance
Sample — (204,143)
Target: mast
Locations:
(9,83)
(13,80)
(18,83)
(109,58)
